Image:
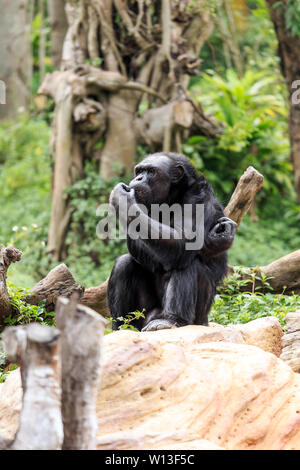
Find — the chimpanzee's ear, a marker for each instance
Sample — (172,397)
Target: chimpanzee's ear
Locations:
(177,173)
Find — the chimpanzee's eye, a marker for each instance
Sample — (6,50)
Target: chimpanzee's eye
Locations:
(151,171)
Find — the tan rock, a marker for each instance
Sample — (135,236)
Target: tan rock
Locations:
(265,333)
(10,404)
(167,390)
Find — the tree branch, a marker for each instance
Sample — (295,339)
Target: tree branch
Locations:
(249,184)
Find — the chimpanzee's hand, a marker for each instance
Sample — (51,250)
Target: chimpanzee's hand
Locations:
(122,195)
(224,227)
(224,230)
(220,237)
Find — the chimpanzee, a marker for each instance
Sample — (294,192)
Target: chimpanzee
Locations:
(174,286)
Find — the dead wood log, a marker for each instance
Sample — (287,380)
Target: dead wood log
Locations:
(95,298)
(81,334)
(7,256)
(59,282)
(249,184)
(37,348)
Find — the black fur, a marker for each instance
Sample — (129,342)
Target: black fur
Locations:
(172,285)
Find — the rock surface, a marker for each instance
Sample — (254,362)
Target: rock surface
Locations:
(291,341)
(265,333)
(186,388)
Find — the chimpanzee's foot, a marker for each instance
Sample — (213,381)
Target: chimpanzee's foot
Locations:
(159,324)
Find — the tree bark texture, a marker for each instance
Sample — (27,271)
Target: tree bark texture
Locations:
(288,51)
(80,371)
(59,26)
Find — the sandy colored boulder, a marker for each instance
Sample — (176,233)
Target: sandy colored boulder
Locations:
(265,333)
(291,341)
(170,390)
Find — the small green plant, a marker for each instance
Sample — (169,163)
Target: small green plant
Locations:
(255,301)
(25,313)
(129,318)
(5,373)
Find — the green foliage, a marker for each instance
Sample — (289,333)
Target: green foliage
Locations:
(25,197)
(232,306)
(128,319)
(25,313)
(255,132)
(4,373)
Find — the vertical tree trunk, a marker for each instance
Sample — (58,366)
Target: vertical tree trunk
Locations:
(288,51)
(42,42)
(36,347)
(15,64)
(59,25)
(81,355)
(122,107)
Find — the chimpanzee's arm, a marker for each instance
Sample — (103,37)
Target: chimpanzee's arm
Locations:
(164,244)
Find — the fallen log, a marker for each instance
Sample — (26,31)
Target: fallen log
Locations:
(283,275)
(58,282)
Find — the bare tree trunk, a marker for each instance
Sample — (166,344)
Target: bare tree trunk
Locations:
(80,371)
(59,26)
(36,348)
(288,51)
(15,64)
(42,42)
(238,63)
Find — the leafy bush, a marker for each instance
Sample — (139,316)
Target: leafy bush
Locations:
(25,198)
(25,313)
(232,306)
(255,133)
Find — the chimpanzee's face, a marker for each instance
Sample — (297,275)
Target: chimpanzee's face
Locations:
(153,180)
